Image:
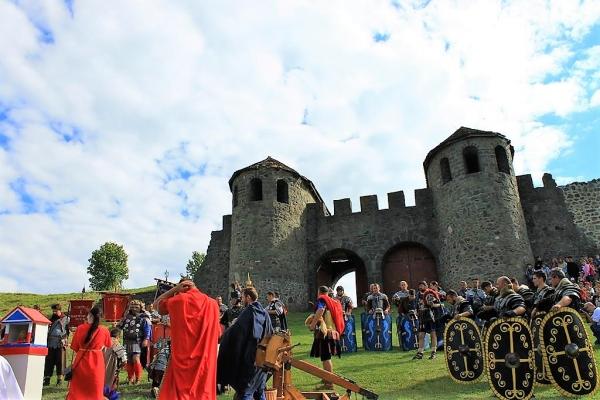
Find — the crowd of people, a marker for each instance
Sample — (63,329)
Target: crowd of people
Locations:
(241,325)
(199,324)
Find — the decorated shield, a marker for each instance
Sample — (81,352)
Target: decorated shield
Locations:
(464,352)
(407,330)
(541,374)
(569,355)
(378,332)
(510,360)
(348,339)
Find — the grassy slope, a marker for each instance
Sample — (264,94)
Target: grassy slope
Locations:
(10,300)
(392,375)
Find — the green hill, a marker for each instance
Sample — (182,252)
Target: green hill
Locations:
(8,301)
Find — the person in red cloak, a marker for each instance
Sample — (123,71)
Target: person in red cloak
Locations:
(88,367)
(325,345)
(192,370)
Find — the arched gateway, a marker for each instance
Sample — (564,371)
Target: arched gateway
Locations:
(410,262)
(336,263)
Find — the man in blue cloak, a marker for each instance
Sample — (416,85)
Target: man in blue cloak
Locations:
(237,354)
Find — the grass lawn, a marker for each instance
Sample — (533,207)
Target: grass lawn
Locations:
(392,375)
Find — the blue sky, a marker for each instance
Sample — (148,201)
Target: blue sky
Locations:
(125,123)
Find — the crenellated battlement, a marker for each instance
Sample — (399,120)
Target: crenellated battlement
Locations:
(227,222)
(525,183)
(396,201)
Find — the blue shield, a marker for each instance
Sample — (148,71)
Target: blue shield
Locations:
(377,332)
(407,332)
(348,339)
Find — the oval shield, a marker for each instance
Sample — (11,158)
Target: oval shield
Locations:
(569,357)
(542,376)
(463,349)
(510,361)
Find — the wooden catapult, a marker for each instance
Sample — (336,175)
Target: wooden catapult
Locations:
(275,355)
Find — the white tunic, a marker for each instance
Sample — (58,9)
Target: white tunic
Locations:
(9,388)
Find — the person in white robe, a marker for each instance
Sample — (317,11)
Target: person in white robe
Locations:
(9,387)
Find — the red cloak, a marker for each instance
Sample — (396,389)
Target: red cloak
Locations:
(195,330)
(337,314)
(88,374)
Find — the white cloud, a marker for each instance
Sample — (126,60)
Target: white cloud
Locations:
(595,100)
(154,89)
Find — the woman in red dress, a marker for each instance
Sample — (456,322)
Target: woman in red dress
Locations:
(88,367)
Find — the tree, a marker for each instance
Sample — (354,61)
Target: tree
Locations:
(108,267)
(194,264)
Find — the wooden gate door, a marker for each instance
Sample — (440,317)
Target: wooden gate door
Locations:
(411,263)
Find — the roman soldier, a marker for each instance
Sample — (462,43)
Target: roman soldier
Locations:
(344,300)
(402,299)
(487,311)
(544,295)
(328,324)
(277,312)
(377,300)
(136,329)
(232,314)
(57,344)
(508,303)
(525,292)
(508,345)
(461,306)
(427,301)
(159,364)
(566,293)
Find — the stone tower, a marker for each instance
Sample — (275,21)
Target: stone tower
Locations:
(268,238)
(481,224)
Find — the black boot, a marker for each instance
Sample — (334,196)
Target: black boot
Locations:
(46,381)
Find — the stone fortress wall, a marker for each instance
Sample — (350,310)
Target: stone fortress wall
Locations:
(477,223)
(583,202)
(371,232)
(561,220)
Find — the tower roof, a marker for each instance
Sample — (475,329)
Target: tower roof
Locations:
(268,162)
(461,134)
(272,163)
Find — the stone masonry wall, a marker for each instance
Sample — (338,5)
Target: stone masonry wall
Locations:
(551,228)
(371,232)
(213,276)
(583,202)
